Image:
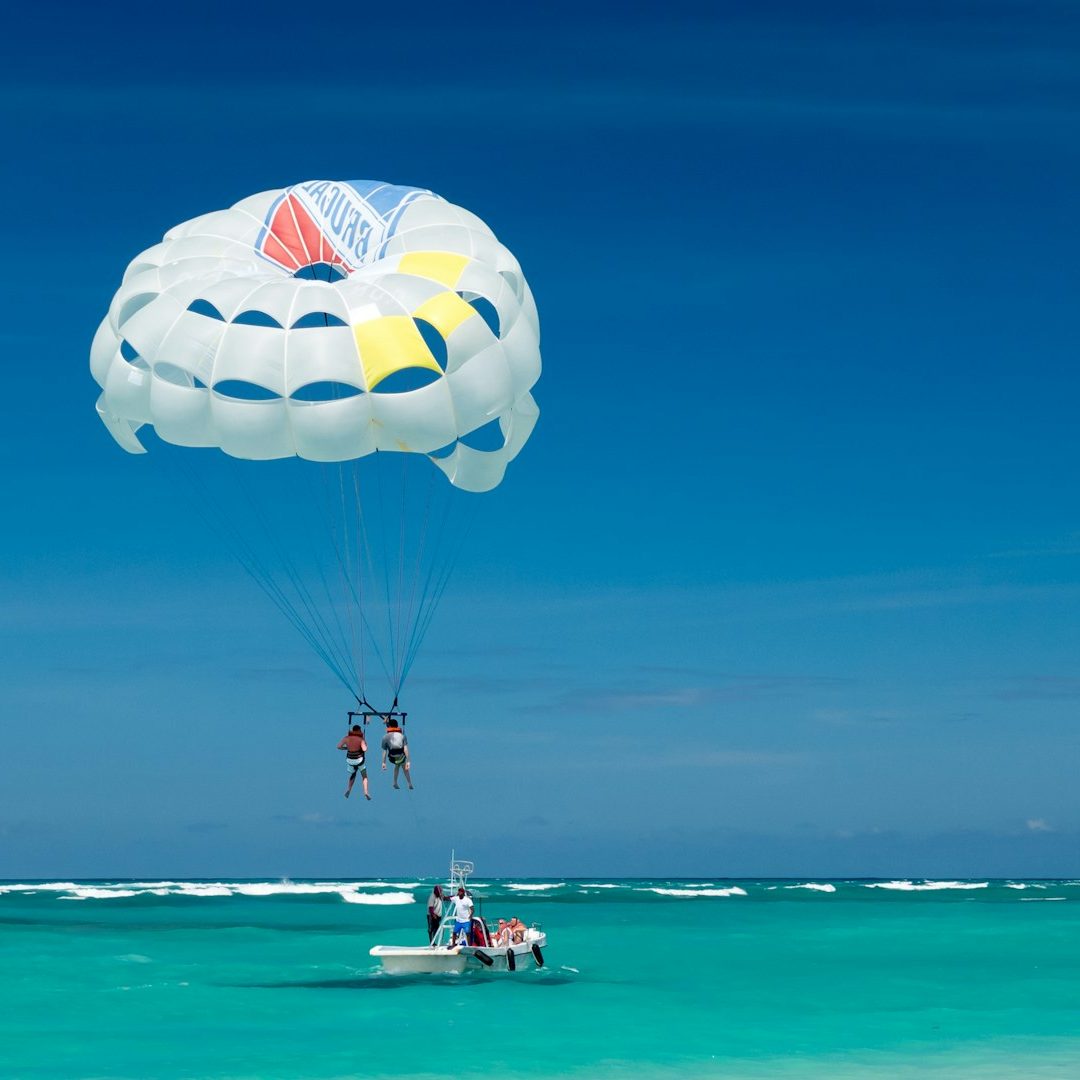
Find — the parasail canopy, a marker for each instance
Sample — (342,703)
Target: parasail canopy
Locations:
(325,322)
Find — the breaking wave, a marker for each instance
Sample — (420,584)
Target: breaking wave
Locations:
(378,898)
(534,895)
(733,891)
(353,892)
(926,886)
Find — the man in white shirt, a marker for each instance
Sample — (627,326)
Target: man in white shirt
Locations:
(434,912)
(463,909)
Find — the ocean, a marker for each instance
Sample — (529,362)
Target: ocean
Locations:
(644,978)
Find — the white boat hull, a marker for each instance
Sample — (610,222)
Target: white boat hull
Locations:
(436,960)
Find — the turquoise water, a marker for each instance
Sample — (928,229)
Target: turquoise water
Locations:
(643,978)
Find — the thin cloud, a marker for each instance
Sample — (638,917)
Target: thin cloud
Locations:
(1067,546)
(956,596)
(701,759)
(616,701)
(1041,688)
(317,819)
(467,685)
(723,759)
(856,717)
(624,698)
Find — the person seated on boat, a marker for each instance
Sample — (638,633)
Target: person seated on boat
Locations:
(463,909)
(395,746)
(502,935)
(355,746)
(517,930)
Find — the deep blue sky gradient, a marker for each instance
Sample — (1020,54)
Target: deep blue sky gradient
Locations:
(786,581)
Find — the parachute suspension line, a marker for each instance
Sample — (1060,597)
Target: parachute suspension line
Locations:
(317,619)
(217,520)
(364,548)
(341,547)
(356,578)
(432,596)
(364,553)
(317,624)
(346,575)
(426,596)
(381,505)
(348,654)
(412,614)
(342,641)
(403,629)
(252,566)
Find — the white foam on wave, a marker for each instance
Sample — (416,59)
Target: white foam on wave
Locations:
(925,886)
(351,891)
(600,885)
(50,886)
(733,891)
(814,887)
(87,893)
(378,898)
(287,888)
(382,884)
(537,888)
(1011,885)
(1040,899)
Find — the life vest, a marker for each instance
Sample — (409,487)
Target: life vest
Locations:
(395,749)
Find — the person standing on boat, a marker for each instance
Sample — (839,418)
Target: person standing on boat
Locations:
(463,909)
(395,746)
(434,913)
(355,746)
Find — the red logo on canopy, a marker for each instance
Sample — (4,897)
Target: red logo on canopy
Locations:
(294,240)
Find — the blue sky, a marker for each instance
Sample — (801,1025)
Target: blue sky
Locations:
(786,580)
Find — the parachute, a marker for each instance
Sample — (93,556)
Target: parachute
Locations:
(315,330)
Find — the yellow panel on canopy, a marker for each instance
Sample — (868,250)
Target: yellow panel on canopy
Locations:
(391,343)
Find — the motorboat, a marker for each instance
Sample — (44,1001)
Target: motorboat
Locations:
(482,952)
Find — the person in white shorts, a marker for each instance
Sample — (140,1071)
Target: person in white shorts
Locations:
(355,746)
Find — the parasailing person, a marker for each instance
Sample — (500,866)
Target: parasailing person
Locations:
(355,746)
(395,747)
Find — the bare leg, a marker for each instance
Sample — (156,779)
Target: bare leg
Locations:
(367,794)
(408,777)
(352,780)
(397,769)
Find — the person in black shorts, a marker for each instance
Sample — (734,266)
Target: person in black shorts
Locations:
(395,747)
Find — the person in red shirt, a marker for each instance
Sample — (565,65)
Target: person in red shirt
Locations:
(355,746)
